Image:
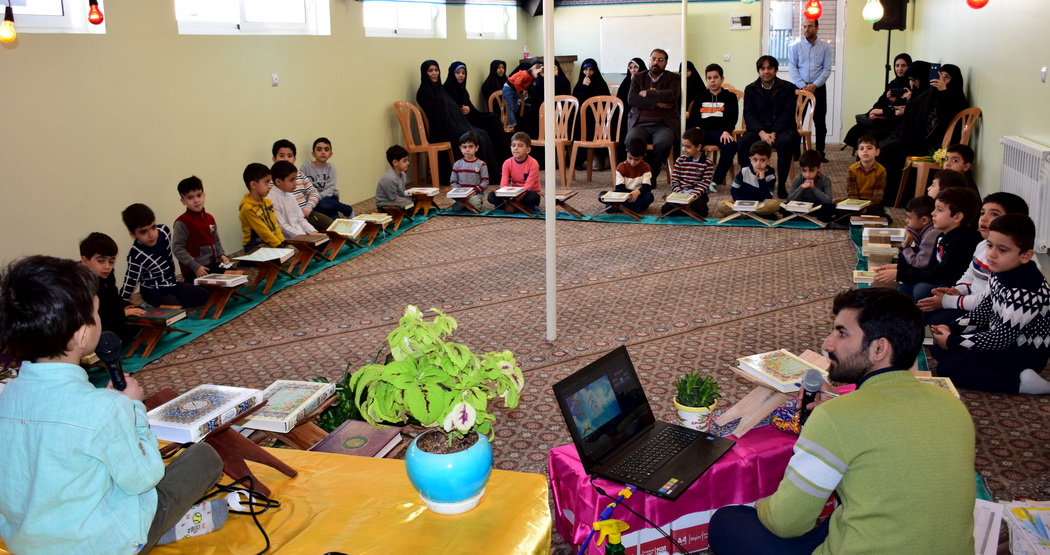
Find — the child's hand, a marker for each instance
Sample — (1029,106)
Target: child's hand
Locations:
(133,311)
(807,184)
(132,391)
(306,212)
(224,259)
(727,137)
(946,291)
(886,273)
(634,195)
(940,335)
(760,174)
(933,302)
(202,271)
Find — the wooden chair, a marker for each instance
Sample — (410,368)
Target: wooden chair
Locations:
(967,118)
(499,106)
(405,112)
(565,109)
(713,151)
(607,112)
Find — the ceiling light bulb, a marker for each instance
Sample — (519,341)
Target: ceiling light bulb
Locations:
(7,28)
(813,9)
(94,14)
(873,11)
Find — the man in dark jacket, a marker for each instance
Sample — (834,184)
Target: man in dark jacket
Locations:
(769,115)
(655,116)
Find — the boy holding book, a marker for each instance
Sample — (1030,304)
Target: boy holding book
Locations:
(322,174)
(693,173)
(256,213)
(151,266)
(390,191)
(470,171)
(1010,341)
(947,304)
(920,238)
(520,170)
(866,179)
(305,193)
(289,218)
(98,252)
(812,185)
(633,176)
(755,182)
(955,246)
(195,237)
(82,473)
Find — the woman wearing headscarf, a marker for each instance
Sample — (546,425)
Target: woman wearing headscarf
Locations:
(447,121)
(590,84)
(694,86)
(456,87)
(529,122)
(495,81)
(924,120)
(881,119)
(633,67)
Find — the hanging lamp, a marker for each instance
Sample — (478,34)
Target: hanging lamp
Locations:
(7,28)
(94,13)
(813,10)
(977,4)
(873,11)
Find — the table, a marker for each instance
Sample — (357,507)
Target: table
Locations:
(749,471)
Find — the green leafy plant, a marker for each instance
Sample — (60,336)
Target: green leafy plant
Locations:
(434,381)
(343,408)
(697,390)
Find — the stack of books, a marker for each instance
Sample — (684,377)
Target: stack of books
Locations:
(615,197)
(460,192)
(351,229)
(287,403)
(745,206)
(780,370)
(799,207)
(225,280)
(865,220)
(883,235)
(198,412)
(159,316)
(863,276)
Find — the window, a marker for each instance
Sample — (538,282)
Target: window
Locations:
(491,21)
(404,18)
(54,16)
(253,17)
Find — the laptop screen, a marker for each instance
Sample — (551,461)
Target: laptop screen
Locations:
(603,405)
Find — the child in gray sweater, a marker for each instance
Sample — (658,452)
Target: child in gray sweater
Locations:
(390,191)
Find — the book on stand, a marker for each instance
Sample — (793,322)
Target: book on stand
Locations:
(562,194)
(375,218)
(428,191)
(159,316)
(509,191)
(194,414)
(778,369)
(225,280)
(460,192)
(613,196)
(267,254)
(287,402)
(893,234)
(351,229)
(362,439)
(745,206)
(799,207)
(314,239)
(680,198)
(853,204)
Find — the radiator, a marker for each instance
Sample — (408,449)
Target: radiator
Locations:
(1026,173)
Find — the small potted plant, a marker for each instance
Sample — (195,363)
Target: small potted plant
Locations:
(443,385)
(696,398)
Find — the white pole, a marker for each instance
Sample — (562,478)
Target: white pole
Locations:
(550,185)
(685,63)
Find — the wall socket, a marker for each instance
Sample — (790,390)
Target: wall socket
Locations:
(725,58)
(273,80)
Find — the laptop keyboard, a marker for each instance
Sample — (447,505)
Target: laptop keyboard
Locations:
(649,457)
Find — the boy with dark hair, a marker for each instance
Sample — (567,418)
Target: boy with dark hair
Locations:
(390,191)
(1010,341)
(920,238)
(151,266)
(693,173)
(520,170)
(322,173)
(633,176)
(82,473)
(195,237)
(470,171)
(98,252)
(866,179)
(811,185)
(256,213)
(289,218)
(945,179)
(755,182)
(516,85)
(960,158)
(719,110)
(305,193)
(955,246)
(947,304)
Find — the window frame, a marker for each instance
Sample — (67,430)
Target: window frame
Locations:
(317,23)
(510,21)
(72,21)
(438,28)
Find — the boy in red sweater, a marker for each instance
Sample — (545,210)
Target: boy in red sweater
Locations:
(521,170)
(195,238)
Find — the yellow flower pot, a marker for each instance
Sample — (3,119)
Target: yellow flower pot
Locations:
(697,418)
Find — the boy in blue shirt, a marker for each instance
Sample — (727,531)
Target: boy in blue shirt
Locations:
(755,182)
(82,473)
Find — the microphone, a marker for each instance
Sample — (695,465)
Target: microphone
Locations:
(108,350)
(810,386)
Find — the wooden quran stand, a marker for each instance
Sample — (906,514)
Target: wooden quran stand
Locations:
(232,447)
(398,212)
(685,209)
(305,434)
(335,244)
(464,202)
(220,295)
(423,202)
(305,251)
(751,215)
(269,270)
(150,335)
(565,195)
(762,400)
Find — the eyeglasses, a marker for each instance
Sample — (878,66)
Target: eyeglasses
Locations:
(655,59)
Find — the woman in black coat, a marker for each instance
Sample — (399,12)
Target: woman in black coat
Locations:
(634,66)
(456,87)
(590,84)
(694,86)
(881,120)
(494,82)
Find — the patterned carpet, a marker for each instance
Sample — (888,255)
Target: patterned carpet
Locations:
(680,297)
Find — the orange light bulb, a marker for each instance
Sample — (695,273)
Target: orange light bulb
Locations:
(977,4)
(94,14)
(7,28)
(813,9)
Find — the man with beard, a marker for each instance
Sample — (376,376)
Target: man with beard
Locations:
(897,453)
(655,116)
(769,115)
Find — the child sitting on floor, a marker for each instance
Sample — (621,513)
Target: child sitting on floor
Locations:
(755,182)
(195,237)
(470,171)
(693,173)
(521,170)
(322,174)
(151,266)
(390,191)
(960,158)
(946,304)
(289,218)
(82,472)
(635,177)
(866,179)
(308,197)
(1010,344)
(812,185)
(258,221)
(98,252)
(920,237)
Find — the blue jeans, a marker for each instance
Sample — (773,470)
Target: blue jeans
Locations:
(331,207)
(916,291)
(736,529)
(510,98)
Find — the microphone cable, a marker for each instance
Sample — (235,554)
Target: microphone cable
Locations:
(598,489)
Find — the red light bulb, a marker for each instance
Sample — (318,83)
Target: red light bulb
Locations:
(977,4)
(94,14)
(813,10)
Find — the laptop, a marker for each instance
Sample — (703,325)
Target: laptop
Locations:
(618,437)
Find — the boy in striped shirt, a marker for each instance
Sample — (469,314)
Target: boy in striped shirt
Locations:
(470,171)
(693,173)
(151,266)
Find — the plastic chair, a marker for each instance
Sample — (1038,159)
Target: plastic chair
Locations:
(805,104)
(496,102)
(565,109)
(967,118)
(405,112)
(607,112)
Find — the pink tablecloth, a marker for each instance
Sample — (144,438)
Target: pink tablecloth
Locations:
(749,471)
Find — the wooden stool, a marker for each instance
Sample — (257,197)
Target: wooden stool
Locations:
(220,295)
(268,272)
(149,336)
(305,434)
(232,447)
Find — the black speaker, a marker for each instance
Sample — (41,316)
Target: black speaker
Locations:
(894,16)
(532,7)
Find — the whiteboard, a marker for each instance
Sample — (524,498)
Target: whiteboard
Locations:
(626,37)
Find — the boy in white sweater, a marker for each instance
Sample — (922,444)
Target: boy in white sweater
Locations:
(289,216)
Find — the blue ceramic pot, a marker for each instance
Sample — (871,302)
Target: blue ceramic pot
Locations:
(450,483)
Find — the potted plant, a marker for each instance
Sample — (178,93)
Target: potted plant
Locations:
(696,399)
(440,384)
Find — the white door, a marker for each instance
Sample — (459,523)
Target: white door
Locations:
(782,21)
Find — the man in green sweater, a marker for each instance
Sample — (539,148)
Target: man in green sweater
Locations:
(897,453)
